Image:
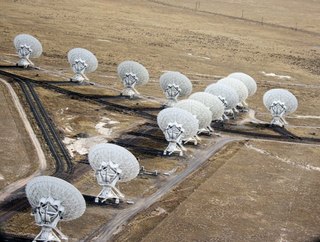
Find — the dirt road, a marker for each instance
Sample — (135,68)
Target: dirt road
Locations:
(108,230)
(41,157)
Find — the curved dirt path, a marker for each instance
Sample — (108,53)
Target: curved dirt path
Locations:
(7,191)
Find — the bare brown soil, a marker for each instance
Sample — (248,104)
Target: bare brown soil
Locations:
(18,156)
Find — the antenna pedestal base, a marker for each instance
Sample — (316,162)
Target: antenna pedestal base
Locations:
(46,234)
(23,63)
(77,78)
(128,92)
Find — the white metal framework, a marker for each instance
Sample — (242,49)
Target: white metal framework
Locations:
(201,112)
(227,95)
(177,125)
(53,199)
(131,74)
(239,87)
(174,85)
(280,102)
(27,47)
(112,163)
(82,61)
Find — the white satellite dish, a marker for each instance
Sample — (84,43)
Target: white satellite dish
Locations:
(247,80)
(227,95)
(131,74)
(212,102)
(174,85)
(239,87)
(280,102)
(82,61)
(27,47)
(177,125)
(112,163)
(201,112)
(53,199)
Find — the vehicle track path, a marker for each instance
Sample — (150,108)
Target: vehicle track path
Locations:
(106,232)
(7,191)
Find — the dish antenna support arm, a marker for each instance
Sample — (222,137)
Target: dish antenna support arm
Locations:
(47,215)
(107,176)
(24,53)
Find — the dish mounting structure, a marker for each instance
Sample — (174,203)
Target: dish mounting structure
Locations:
(280,102)
(82,61)
(112,164)
(27,47)
(174,85)
(177,125)
(53,199)
(132,74)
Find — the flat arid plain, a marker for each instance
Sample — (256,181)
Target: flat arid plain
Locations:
(241,186)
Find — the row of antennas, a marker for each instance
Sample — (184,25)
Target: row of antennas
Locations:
(182,121)
(232,90)
(82,62)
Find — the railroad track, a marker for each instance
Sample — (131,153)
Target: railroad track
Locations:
(281,134)
(64,165)
(48,130)
(54,142)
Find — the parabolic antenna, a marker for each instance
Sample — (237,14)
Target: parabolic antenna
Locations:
(112,163)
(131,74)
(174,85)
(82,61)
(200,111)
(238,86)
(247,80)
(27,47)
(280,102)
(177,125)
(53,199)
(212,102)
(226,94)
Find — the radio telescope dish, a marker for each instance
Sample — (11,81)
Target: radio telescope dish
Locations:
(82,61)
(174,85)
(212,102)
(27,47)
(227,95)
(280,102)
(132,73)
(238,86)
(112,163)
(177,125)
(53,199)
(247,80)
(200,111)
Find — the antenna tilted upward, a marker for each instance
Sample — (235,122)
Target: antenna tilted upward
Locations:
(132,74)
(53,199)
(174,85)
(82,61)
(280,102)
(177,125)
(27,47)
(112,163)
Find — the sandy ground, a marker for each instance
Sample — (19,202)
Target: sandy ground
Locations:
(19,156)
(36,145)
(205,47)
